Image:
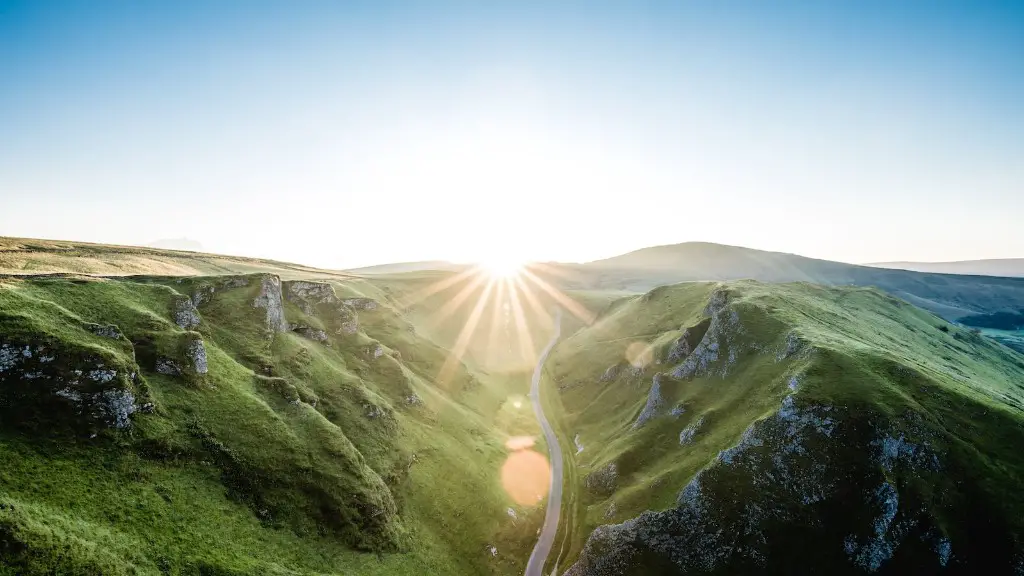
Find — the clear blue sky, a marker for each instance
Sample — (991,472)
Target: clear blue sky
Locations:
(343,133)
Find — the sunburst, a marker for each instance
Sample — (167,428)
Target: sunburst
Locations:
(505,290)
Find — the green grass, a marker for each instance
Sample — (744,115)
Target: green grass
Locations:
(29,256)
(874,357)
(287,457)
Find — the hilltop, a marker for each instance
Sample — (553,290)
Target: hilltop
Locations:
(950,296)
(788,428)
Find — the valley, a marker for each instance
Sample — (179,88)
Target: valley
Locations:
(278,419)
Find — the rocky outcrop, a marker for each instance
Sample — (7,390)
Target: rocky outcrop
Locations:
(314,334)
(687,434)
(270,299)
(654,404)
(195,354)
(64,386)
(797,470)
(791,347)
(361,303)
(611,373)
(308,295)
(685,344)
(603,481)
(722,333)
(167,366)
(105,330)
(184,313)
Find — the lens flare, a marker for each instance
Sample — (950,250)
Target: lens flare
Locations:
(526,477)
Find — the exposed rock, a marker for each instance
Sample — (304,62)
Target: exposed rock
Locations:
(117,406)
(654,403)
(167,366)
(106,331)
(375,351)
(373,411)
(361,303)
(413,400)
(792,347)
(308,295)
(677,410)
(270,300)
(611,511)
(95,391)
(185,314)
(349,326)
(880,546)
(784,465)
(685,344)
(687,434)
(203,294)
(236,282)
(611,373)
(722,331)
(315,334)
(512,514)
(195,352)
(603,480)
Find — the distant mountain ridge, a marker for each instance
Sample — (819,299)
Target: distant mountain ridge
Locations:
(948,295)
(989,267)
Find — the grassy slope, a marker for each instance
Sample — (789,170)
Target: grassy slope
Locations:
(271,462)
(968,390)
(26,256)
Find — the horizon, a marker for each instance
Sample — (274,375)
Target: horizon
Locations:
(376,133)
(155,245)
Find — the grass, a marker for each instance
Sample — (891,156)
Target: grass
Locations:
(29,256)
(875,358)
(288,457)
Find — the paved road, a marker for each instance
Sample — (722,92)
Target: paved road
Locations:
(547,533)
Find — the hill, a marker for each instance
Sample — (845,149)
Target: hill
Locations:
(950,296)
(1009,267)
(241,424)
(405,267)
(787,428)
(26,256)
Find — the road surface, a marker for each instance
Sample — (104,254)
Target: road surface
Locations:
(547,533)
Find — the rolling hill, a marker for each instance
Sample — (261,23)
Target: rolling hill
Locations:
(27,256)
(950,296)
(744,427)
(1008,267)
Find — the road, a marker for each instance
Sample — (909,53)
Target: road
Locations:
(547,534)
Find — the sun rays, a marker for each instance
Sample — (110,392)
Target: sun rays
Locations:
(501,311)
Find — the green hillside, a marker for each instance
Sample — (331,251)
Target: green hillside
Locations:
(787,428)
(244,425)
(28,256)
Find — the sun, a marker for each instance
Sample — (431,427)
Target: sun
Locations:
(502,267)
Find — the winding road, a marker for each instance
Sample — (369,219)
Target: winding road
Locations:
(547,534)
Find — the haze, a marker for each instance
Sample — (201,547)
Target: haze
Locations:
(377,132)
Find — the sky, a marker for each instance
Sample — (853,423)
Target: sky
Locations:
(342,134)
